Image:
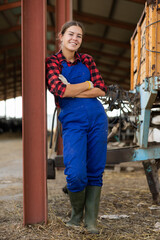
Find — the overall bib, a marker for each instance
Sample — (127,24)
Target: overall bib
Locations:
(84,130)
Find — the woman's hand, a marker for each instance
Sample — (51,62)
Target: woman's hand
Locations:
(72,90)
(63,79)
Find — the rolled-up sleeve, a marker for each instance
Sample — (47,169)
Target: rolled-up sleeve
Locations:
(53,70)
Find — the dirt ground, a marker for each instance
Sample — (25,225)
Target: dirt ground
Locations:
(126,210)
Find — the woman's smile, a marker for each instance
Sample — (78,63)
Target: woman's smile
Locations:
(72,38)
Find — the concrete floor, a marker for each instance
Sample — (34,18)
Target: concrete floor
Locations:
(10,156)
(11,169)
(11,172)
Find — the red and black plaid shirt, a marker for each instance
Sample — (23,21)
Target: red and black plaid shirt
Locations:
(54,68)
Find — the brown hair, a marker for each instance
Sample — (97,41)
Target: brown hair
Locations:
(69,24)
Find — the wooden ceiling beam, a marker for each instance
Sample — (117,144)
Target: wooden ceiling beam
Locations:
(91,18)
(18,28)
(137,1)
(94,38)
(10,29)
(8,6)
(9,47)
(105,54)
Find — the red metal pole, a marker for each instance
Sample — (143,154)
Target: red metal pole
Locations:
(34,111)
(63,14)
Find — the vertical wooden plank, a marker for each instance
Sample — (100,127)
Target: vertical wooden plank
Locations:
(34,111)
(152,40)
(132,65)
(143,51)
(139,54)
(147,41)
(158,40)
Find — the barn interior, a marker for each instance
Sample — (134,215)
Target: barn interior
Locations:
(109,26)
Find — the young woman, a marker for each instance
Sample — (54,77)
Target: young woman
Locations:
(76,83)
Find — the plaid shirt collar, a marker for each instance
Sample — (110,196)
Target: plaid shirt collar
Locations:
(62,58)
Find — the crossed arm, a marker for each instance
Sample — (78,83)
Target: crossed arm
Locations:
(81,90)
(91,93)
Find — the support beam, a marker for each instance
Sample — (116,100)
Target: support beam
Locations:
(92,18)
(8,6)
(137,1)
(34,111)
(18,28)
(63,14)
(10,29)
(105,54)
(94,38)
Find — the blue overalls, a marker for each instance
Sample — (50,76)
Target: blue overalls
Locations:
(84,128)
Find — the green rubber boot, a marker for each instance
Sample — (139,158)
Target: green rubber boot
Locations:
(92,207)
(77,200)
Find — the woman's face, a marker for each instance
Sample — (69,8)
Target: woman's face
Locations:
(72,38)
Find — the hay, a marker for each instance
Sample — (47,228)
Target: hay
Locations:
(123,194)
